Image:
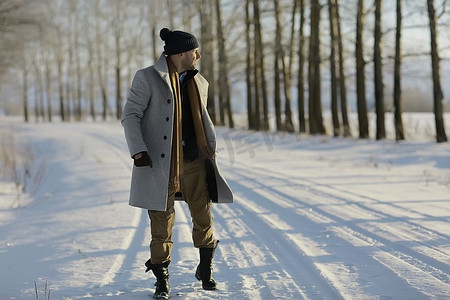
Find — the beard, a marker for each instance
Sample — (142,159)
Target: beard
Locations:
(189,65)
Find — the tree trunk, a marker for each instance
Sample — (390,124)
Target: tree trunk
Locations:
(435,63)
(257,76)
(171,9)
(39,94)
(187,15)
(301,67)
(360,75)
(276,71)
(259,64)
(314,77)
(36,97)
(207,61)
(342,86)
(68,89)
(91,81)
(42,111)
(224,84)
(398,123)
(333,46)
(249,68)
(103,92)
(378,71)
(156,53)
(78,109)
(288,125)
(154,8)
(69,72)
(118,85)
(117,37)
(62,111)
(25,94)
(48,90)
(287,75)
(101,61)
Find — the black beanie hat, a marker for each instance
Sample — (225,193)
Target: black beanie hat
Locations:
(177,41)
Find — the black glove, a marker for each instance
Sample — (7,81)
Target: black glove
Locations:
(144,161)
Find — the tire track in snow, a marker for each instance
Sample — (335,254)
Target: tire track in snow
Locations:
(308,186)
(330,192)
(426,264)
(340,267)
(307,279)
(242,254)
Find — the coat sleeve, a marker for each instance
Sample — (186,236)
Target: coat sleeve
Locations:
(133,112)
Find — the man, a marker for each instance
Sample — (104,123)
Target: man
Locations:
(172,140)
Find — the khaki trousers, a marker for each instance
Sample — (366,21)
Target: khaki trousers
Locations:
(195,194)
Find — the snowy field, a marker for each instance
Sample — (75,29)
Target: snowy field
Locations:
(313,218)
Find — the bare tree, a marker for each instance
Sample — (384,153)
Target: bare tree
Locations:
(314,78)
(77,48)
(342,85)
(59,64)
(207,64)
(283,69)
(38,91)
(435,63)
(260,79)
(55,42)
(25,94)
(48,89)
(287,74)
(378,71)
(154,16)
(360,74)
(91,79)
(398,123)
(20,23)
(101,47)
(257,72)
(249,68)
(117,26)
(69,80)
(301,67)
(276,70)
(334,77)
(187,14)
(171,6)
(224,84)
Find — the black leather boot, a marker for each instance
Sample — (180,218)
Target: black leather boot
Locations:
(204,269)
(161,272)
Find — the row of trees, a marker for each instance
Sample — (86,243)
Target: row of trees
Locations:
(284,55)
(79,57)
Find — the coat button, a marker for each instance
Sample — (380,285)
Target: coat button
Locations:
(167,119)
(163,155)
(165,137)
(168,100)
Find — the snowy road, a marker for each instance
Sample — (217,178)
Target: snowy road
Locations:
(313,218)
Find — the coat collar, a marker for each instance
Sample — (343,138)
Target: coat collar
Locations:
(162,69)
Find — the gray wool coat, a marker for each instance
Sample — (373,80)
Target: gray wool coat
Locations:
(147,120)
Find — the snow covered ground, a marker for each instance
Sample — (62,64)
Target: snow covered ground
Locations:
(313,218)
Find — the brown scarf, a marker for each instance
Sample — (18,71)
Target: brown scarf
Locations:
(176,166)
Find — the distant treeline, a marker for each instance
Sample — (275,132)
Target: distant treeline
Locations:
(76,58)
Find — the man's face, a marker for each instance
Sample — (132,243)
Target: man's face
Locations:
(190,58)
